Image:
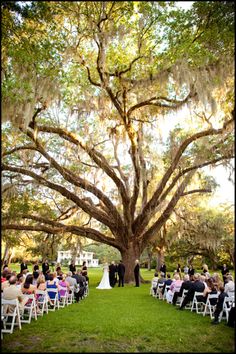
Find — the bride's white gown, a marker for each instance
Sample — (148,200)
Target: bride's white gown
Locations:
(104,283)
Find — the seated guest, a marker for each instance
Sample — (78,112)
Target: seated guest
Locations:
(185,286)
(167,282)
(65,285)
(229,284)
(160,284)
(35,277)
(41,285)
(27,287)
(13,292)
(6,283)
(25,273)
(20,280)
(81,281)
(197,285)
(4,273)
(154,282)
(51,283)
(219,305)
(41,282)
(55,277)
(217,281)
(72,282)
(46,274)
(174,287)
(209,289)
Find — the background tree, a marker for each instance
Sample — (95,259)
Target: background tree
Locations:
(122,67)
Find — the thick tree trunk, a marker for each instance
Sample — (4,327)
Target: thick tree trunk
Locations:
(128,257)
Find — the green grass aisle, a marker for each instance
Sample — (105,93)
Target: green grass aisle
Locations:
(120,320)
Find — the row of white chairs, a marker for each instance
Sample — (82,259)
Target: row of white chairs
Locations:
(11,314)
(195,305)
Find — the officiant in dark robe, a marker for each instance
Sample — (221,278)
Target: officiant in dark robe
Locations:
(112,274)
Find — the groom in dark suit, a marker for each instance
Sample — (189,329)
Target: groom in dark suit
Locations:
(112,274)
(121,273)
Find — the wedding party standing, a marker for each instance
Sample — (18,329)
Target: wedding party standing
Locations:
(121,273)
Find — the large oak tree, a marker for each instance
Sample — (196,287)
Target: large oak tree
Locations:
(88,87)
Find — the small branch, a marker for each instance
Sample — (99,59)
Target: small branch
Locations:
(197,191)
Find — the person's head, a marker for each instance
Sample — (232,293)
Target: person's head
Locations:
(168,275)
(196,276)
(5,272)
(63,276)
(35,274)
(69,273)
(176,276)
(136,261)
(205,267)
(25,271)
(112,262)
(41,279)
(186,277)
(84,263)
(202,278)
(156,274)
(50,276)
(20,278)
(162,274)
(229,278)
(9,275)
(29,279)
(12,280)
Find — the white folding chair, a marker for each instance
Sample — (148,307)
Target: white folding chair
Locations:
(63,299)
(53,299)
(196,302)
(153,285)
(42,301)
(71,295)
(227,304)
(188,306)
(209,308)
(231,294)
(167,287)
(159,290)
(30,309)
(10,315)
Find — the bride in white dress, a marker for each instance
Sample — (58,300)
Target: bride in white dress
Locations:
(104,283)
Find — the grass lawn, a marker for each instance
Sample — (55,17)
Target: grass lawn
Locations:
(120,320)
